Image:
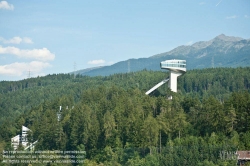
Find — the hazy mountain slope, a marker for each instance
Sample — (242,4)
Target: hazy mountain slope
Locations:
(222,51)
(82,71)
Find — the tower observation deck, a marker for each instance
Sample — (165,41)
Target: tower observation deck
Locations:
(174,65)
(177,68)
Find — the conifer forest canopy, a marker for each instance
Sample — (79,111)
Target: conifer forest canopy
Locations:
(112,119)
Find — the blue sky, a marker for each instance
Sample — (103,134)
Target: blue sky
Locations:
(46,37)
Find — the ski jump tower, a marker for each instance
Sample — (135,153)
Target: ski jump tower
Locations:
(177,68)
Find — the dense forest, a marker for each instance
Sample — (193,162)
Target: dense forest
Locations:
(113,120)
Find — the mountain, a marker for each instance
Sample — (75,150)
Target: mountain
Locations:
(82,71)
(222,51)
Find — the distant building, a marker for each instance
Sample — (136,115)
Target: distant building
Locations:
(25,136)
(243,157)
(15,142)
(22,139)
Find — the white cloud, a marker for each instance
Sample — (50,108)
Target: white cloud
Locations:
(96,62)
(231,17)
(246,16)
(189,43)
(110,63)
(202,3)
(27,40)
(16,40)
(38,54)
(5,5)
(21,69)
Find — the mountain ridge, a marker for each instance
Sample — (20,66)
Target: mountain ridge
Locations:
(204,44)
(221,51)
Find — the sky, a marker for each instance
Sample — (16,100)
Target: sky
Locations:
(38,38)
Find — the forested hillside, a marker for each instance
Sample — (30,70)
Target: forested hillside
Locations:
(113,120)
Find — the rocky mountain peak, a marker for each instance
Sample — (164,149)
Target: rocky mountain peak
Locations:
(220,38)
(227,38)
